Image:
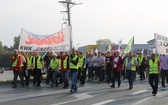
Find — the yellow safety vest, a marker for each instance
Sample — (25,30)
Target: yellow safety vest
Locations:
(140,59)
(153,67)
(29,62)
(64,63)
(14,64)
(157,57)
(81,62)
(39,63)
(133,68)
(72,66)
(54,63)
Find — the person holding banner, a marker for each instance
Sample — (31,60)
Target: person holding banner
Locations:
(130,64)
(74,59)
(116,69)
(17,68)
(153,70)
(54,63)
(64,69)
(38,66)
(164,69)
(29,67)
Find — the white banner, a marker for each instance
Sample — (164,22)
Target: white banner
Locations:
(59,41)
(161,43)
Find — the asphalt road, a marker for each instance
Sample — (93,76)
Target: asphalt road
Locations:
(90,94)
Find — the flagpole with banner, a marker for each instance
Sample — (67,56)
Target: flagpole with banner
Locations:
(108,47)
(60,41)
(128,47)
(161,43)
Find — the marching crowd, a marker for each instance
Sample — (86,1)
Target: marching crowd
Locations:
(106,67)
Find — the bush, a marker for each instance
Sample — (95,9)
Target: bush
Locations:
(5,60)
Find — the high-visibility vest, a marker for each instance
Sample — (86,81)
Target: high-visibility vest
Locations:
(140,59)
(72,66)
(64,63)
(81,62)
(54,63)
(14,64)
(153,67)
(29,62)
(39,63)
(157,57)
(133,68)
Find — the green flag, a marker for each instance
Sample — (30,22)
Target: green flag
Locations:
(129,45)
(108,48)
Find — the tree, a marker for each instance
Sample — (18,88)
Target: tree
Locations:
(5,47)
(16,42)
(1,47)
(104,42)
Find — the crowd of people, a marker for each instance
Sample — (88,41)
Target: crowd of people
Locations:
(78,67)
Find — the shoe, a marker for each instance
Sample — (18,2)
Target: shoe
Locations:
(65,87)
(163,88)
(14,86)
(113,86)
(130,87)
(71,91)
(51,85)
(56,85)
(99,82)
(118,86)
(154,94)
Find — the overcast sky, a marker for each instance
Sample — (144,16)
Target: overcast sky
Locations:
(92,20)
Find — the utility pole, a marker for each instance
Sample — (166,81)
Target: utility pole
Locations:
(68,4)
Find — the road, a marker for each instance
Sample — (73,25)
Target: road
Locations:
(90,94)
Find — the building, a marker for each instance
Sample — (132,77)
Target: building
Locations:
(148,48)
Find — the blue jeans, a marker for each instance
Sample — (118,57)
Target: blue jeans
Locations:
(74,79)
(54,78)
(90,73)
(65,76)
(130,77)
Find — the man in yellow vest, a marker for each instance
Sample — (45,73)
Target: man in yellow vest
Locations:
(74,70)
(17,68)
(82,68)
(64,69)
(29,67)
(54,63)
(153,70)
(130,64)
(37,66)
(141,66)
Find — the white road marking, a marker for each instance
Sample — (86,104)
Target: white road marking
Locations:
(6,99)
(79,97)
(104,102)
(82,96)
(142,101)
(138,92)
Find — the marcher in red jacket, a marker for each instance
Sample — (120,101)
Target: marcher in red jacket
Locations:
(116,65)
(17,68)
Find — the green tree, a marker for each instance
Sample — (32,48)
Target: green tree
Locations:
(5,47)
(104,42)
(16,42)
(1,47)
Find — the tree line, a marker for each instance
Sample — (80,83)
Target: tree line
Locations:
(7,52)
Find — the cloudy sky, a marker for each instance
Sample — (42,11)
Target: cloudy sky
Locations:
(92,20)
